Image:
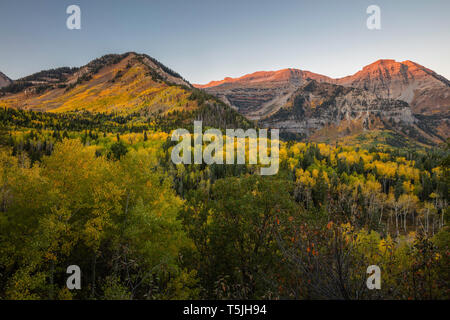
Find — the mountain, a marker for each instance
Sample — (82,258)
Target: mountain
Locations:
(260,94)
(120,83)
(404,92)
(110,83)
(327,111)
(427,92)
(4,80)
(315,105)
(405,97)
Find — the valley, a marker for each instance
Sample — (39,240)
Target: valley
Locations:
(87,177)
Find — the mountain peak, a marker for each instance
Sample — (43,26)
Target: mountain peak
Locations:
(426,91)
(251,77)
(282,76)
(113,82)
(384,64)
(408,68)
(381,62)
(410,63)
(260,93)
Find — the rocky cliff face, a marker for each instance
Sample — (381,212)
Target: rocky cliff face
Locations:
(4,80)
(427,92)
(260,94)
(384,93)
(316,105)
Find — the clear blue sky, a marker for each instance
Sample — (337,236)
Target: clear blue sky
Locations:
(207,40)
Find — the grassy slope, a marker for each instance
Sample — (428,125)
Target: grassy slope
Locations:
(123,87)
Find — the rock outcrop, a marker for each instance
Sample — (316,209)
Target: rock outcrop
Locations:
(316,105)
(427,92)
(296,101)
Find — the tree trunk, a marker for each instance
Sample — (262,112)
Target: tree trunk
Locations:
(94,263)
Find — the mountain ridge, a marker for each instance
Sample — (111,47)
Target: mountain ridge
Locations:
(114,81)
(4,80)
(426,91)
(277,74)
(264,96)
(126,83)
(301,103)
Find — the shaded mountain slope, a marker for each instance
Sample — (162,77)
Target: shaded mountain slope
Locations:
(126,83)
(4,80)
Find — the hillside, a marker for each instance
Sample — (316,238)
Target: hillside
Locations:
(124,84)
(4,80)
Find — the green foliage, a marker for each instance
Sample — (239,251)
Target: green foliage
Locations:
(105,195)
(236,230)
(118,150)
(120,217)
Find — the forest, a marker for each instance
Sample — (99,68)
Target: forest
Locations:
(100,191)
